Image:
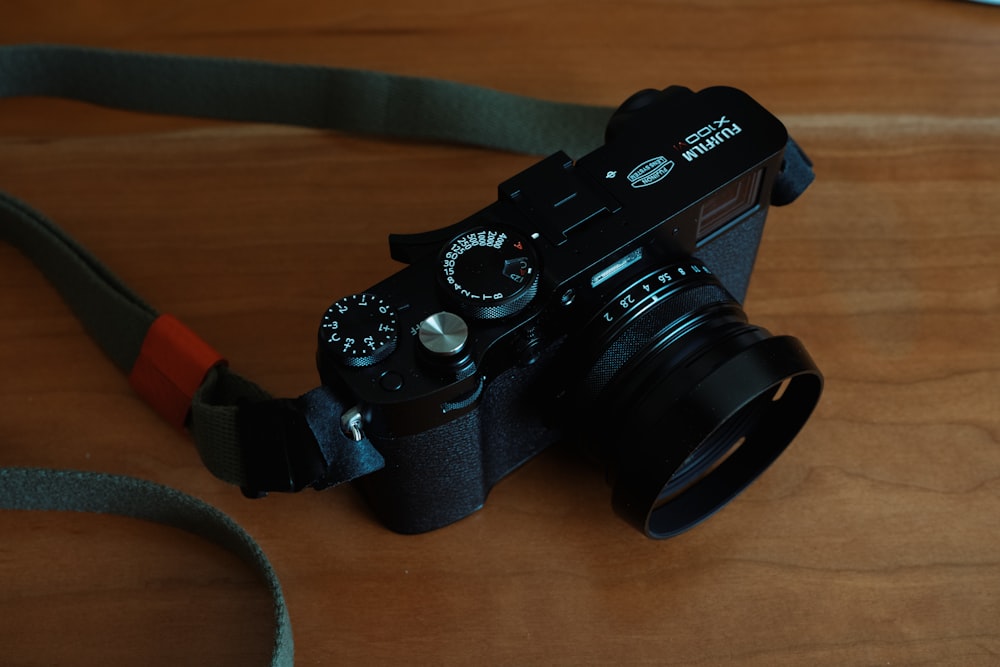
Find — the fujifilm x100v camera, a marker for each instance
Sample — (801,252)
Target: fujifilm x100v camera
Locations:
(597,302)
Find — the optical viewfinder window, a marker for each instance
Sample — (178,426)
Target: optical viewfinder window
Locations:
(729,203)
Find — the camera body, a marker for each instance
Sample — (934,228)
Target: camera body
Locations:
(519,325)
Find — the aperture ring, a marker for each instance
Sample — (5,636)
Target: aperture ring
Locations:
(663,311)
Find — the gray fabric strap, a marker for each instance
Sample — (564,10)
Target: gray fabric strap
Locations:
(348,100)
(63,490)
(118,319)
(115,316)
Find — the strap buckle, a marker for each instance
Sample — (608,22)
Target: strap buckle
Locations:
(280,451)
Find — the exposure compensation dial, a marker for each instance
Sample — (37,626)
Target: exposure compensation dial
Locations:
(359,330)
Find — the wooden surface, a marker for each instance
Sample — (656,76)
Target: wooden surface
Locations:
(872,541)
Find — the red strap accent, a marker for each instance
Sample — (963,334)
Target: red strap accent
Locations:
(171,366)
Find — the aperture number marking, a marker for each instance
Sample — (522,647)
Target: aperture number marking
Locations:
(645,290)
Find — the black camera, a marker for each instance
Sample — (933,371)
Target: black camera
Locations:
(598,302)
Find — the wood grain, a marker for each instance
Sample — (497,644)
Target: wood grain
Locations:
(873,540)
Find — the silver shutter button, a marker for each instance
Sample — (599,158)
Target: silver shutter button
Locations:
(443,334)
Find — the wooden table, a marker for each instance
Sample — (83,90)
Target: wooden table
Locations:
(872,540)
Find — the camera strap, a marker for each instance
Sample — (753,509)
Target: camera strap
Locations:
(243,435)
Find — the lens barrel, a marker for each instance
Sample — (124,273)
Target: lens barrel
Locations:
(703,402)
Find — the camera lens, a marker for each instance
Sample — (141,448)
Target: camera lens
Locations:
(701,401)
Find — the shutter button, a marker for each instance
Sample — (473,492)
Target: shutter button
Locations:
(443,334)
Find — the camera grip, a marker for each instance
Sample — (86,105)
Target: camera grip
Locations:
(436,477)
(430,479)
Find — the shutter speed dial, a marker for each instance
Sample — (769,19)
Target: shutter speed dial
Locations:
(489,272)
(359,330)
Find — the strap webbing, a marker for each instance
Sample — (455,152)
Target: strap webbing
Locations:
(327,98)
(64,490)
(115,316)
(349,100)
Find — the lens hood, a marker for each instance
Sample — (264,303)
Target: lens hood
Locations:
(700,434)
